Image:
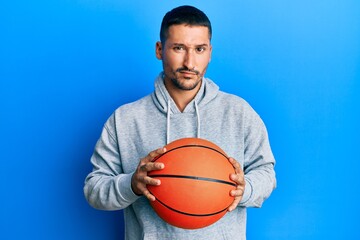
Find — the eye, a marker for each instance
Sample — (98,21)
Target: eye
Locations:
(179,48)
(200,49)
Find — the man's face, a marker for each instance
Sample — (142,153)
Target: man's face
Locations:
(185,54)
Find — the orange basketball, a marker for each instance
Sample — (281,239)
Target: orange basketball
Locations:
(195,184)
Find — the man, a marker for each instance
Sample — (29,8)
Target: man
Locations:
(184,104)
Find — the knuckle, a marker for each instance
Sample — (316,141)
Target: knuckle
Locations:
(160,150)
(144,167)
(153,154)
(147,180)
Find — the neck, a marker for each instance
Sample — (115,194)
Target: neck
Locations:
(181,97)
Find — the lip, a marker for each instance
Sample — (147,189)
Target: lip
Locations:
(187,73)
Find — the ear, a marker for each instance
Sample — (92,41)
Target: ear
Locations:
(210,53)
(158,50)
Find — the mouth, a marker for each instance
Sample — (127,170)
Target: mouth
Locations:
(187,73)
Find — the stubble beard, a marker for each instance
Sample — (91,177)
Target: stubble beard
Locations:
(182,83)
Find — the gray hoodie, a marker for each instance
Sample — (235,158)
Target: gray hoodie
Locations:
(137,128)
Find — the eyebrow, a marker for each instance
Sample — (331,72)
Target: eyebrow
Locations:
(198,45)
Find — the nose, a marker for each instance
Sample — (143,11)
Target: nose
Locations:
(189,60)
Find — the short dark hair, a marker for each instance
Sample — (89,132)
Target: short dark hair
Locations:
(187,15)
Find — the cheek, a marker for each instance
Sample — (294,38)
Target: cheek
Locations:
(171,62)
(203,63)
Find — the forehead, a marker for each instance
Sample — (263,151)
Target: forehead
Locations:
(186,34)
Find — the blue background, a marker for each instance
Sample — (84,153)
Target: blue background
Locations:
(65,65)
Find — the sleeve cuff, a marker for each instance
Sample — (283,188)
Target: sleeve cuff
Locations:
(247,193)
(126,189)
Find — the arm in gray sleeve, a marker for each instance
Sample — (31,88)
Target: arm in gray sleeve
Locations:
(259,163)
(107,187)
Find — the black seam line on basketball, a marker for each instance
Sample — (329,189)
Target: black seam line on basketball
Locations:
(190,214)
(192,177)
(192,145)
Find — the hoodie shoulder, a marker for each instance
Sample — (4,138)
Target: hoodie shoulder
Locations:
(233,100)
(135,107)
(128,112)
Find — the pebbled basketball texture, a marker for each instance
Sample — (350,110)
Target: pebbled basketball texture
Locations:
(195,184)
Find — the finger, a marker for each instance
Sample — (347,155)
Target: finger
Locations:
(234,204)
(151,166)
(156,153)
(148,195)
(151,181)
(238,178)
(236,165)
(239,192)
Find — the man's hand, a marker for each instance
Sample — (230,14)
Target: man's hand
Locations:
(140,178)
(238,178)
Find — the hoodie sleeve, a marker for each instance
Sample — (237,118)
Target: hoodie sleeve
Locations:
(107,187)
(258,162)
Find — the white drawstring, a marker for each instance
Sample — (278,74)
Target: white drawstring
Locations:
(168,123)
(198,119)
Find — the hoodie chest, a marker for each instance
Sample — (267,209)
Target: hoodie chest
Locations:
(182,125)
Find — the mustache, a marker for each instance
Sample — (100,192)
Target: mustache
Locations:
(182,69)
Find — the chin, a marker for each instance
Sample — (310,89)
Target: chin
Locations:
(187,84)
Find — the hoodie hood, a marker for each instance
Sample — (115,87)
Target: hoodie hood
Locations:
(163,101)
